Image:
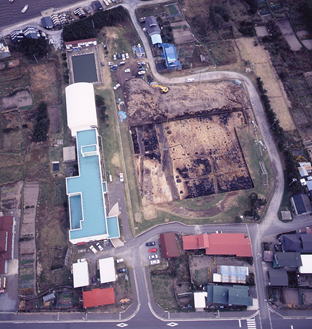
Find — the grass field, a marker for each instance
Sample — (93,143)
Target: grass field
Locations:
(162,285)
(109,134)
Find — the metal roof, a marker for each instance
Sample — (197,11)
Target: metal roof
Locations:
(107,270)
(80,107)
(81,274)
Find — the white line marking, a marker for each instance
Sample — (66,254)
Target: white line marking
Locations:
(122,325)
(172,324)
(239,323)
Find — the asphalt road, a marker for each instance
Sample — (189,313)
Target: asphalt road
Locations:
(10,13)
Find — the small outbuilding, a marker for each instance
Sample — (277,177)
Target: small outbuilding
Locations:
(200,300)
(69,153)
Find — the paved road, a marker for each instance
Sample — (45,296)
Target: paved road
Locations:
(10,13)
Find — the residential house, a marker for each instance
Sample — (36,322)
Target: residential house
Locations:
(235,244)
(153,30)
(169,246)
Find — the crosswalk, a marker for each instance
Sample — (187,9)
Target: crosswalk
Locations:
(251,323)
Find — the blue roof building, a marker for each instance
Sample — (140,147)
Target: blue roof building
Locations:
(87,210)
(170,55)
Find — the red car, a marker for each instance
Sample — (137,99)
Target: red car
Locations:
(152,250)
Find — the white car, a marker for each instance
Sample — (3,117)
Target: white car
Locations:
(123,56)
(81,260)
(115,57)
(154,256)
(119,260)
(127,71)
(190,80)
(141,72)
(116,86)
(127,55)
(99,246)
(93,249)
(154,262)
(121,177)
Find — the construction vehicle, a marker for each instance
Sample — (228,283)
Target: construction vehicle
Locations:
(163,89)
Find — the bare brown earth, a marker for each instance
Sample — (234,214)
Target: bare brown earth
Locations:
(185,142)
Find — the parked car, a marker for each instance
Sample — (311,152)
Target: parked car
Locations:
(150,244)
(122,63)
(127,55)
(119,260)
(99,246)
(122,270)
(127,70)
(121,177)
(93,249)
(155,261)
(116,86)
(154,256)
(152,250)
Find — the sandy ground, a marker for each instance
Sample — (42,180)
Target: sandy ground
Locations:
(261,63)
(146,104)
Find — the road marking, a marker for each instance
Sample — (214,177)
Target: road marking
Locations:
(251,323)
(172,324)
(122,325)
(291,327)
(240,323)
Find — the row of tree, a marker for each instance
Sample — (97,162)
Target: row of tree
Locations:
(291,171)
(41,127)
(88,27)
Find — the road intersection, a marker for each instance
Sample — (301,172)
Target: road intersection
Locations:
(147,314)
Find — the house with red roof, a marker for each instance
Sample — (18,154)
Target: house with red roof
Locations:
(234,244)
(6,248)
(169,246)
(98,297)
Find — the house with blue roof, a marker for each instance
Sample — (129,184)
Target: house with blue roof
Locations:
(170,56)
(86,192)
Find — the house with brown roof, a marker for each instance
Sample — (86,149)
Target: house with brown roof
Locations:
(169,246)
(6,249)
(235,244)
(98,297)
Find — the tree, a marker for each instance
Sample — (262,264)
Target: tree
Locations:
(31,48)
(41,128)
